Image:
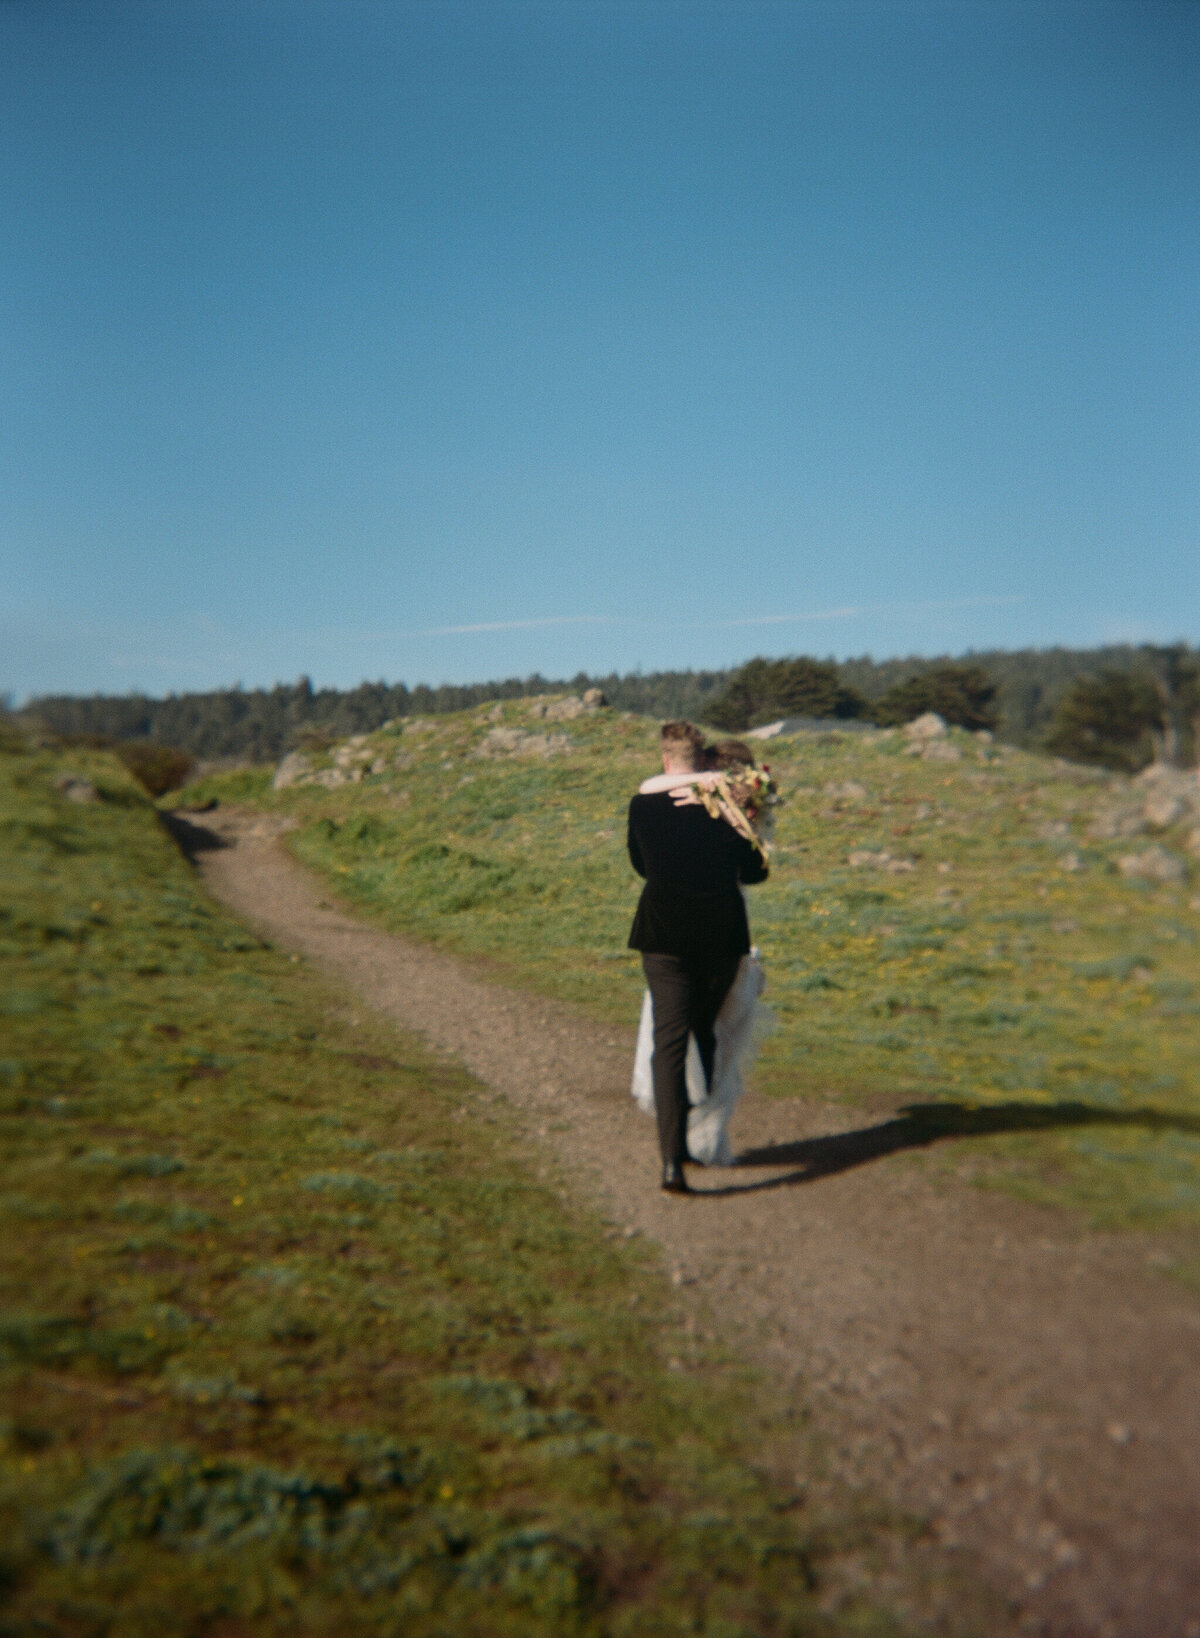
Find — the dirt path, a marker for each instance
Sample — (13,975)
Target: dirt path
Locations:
(1030,1388)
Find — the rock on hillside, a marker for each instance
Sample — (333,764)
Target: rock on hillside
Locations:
(1159,799)
(1154,864)
(350,762)
(517,742)
(366,756)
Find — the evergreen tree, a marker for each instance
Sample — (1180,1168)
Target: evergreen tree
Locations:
(1112,718)
(960,694)
(764,690)
(1175,673)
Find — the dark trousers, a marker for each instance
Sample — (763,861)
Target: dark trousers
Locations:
(687,993)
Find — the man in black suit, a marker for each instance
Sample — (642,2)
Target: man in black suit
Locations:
(691,929)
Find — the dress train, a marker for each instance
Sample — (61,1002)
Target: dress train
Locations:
(738,1024)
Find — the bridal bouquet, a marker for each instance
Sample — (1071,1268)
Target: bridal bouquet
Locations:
(745,798)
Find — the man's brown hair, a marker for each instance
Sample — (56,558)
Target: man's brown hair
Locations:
(682,742)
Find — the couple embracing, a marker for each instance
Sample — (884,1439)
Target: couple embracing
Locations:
(696,836)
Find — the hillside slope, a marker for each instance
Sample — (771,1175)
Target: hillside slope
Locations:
(1011,939)
(1022,1382)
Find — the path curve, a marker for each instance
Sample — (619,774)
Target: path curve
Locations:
(1028,1387)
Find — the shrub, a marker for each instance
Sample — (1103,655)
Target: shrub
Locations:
(960,694)
(159,768)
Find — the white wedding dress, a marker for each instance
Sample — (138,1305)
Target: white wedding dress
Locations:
(739,1024)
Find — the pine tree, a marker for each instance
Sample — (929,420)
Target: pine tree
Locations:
(960,694)
(763,690)
(1112,719)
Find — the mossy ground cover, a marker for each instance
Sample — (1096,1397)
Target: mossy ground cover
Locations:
(289,1343)
(1051,1015)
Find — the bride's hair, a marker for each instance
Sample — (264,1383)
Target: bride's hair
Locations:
(727,755)
(682,742)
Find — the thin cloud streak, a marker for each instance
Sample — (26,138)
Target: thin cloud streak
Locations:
(516,625)
(849,612)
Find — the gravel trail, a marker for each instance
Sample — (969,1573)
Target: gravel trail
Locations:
(1027,1386)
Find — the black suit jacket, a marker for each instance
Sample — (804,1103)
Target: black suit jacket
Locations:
(691,905)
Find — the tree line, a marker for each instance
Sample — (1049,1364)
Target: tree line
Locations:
(1117,706)
(1118,717)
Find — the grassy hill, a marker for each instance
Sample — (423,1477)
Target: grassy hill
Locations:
(285,1347)
(983,959)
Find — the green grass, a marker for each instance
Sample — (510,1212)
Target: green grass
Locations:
(292,1339)
(986,976)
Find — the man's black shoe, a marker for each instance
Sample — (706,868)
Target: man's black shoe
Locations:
(673,1180)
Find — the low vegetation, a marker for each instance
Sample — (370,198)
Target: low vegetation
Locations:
(157,768)
(293,1340)
(1005,944)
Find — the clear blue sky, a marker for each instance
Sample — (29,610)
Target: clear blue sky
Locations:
(442,341)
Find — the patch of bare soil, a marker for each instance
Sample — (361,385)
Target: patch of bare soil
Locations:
(1028,1387)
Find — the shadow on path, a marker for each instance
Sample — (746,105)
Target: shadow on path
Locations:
(921,1124)
(189,838)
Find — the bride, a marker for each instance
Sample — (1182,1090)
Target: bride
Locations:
(740,1020)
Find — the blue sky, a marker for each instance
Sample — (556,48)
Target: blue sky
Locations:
(438,341)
